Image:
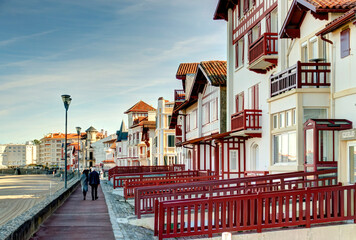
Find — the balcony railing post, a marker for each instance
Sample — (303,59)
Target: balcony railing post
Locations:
(299,75)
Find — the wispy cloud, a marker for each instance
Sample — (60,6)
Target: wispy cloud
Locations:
(24,37)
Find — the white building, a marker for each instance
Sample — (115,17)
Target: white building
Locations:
(100,149)
(14,155)
(164,152)
(122,146)
(141,119)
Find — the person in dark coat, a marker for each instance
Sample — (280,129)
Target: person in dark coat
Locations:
(94,181)
(84,179)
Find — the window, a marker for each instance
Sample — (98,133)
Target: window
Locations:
(239,102)
(304,53)
(275,121)
(281,120)
(171,142)
(233,160)
(253,97)
(169,120)
(193,119)
(188,122)
(345,43)
(241,8)
(206,113)
(294,117)
(289,118)
(239,53)
(214,109)
(284,147)
(314,113)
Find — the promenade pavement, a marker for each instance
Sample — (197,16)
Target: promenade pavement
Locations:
(78,219)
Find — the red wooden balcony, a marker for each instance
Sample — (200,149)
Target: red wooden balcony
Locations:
(248,122)
(263,53)
(179,95)
(301,75)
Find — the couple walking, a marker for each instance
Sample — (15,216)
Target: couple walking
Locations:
(93,180)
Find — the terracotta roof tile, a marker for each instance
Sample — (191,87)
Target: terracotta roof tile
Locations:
(186,68)
(141,106)
(215,71)
(332,4)
(338,22)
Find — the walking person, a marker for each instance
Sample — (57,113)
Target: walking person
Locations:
(94,181)
(84,179)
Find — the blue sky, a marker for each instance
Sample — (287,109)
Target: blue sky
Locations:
(107,54)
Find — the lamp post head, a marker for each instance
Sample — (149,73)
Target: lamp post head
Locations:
(66,100)
(78,129)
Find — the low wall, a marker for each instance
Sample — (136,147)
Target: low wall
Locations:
(25,225)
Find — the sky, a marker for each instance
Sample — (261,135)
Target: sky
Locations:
(106,54)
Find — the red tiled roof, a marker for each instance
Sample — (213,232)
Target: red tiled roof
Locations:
(319,8)
(222,8)
(215,71)
(332,4)
(110,141)
(141,106)
(60,135)
(338,22)
(186,68)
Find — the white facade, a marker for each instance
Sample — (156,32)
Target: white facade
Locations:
(17,154)
(164,140)
(100,149)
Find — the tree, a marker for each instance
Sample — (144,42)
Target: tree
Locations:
(36,142)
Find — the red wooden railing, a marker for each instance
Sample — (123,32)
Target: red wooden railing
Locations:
(301,75)
(255,211)
(142,169)
(146,196)
(129,187)
(247,119)
(266,44)
(179,95)
(118,179)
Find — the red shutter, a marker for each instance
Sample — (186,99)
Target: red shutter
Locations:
(246,7)
(249,37)
(238,10)
(345,43)
(243,50)
(237,103)
(268,23)
(255,97)
(259,29)
(236,54)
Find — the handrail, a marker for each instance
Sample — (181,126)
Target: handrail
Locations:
(300,75)
(145,196)
(255,211)
(247,119)
(130,186)
(266,44)
(137,169)
(118,179)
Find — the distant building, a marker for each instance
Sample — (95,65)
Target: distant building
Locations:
(121,145)
(101,147)
(141,118)
(91,135)
(15,155)
(164,141)
(51,149)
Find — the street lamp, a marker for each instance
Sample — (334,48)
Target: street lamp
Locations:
(78,132)
(66,100)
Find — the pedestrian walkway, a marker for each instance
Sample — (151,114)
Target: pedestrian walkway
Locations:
(78,219)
